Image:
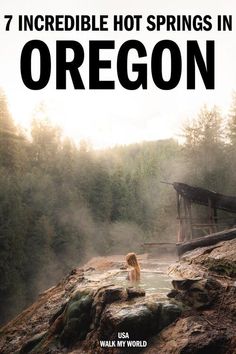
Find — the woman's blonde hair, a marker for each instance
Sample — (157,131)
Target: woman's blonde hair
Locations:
(132,260)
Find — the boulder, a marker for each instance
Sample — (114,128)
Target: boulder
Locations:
(140,320)
(133,292)
(76,318)
(196,293)
(220,258)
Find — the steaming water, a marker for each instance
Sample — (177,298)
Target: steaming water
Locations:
(151,282)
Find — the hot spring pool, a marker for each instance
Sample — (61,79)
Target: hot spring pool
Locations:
(151,282)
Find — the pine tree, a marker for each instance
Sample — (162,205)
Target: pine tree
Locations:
(9,139)
(205,149)
(232,121)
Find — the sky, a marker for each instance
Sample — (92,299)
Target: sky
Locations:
(110,117)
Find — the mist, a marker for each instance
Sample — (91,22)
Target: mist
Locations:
(62,204)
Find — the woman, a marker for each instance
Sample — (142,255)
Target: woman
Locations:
(134,273)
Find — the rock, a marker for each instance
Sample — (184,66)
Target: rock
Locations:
(135,292)
(168,314)
(57,314)
(220,258)
(73,271)
(76,319)
(173,293)
(196,293)
(186,270)
(221,266)
(27,347)
(191,335)
(74,330)
(89,269)
(184,284)
(103,297)
(73,316)
(113,294)
(213,285)
(140,320)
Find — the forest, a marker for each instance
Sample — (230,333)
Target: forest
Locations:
(62,203)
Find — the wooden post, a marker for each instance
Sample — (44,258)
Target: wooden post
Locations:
(186,233)
(210,216)
(189,207)
(215,219)
(180,231)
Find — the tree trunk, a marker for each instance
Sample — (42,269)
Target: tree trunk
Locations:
(206,241)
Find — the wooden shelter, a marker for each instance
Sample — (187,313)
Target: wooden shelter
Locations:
(190,226)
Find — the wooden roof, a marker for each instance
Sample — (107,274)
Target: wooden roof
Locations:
(203,196)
